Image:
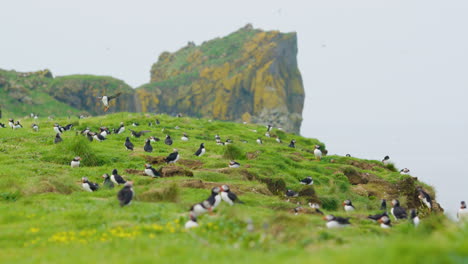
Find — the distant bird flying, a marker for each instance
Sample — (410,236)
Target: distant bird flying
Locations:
(139,134)
(106,99)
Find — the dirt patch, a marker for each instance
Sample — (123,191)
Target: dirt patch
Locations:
(172,170)
(135,172)
(192,164)
(363,165)
(248,176)
(155,160)
(296,156)
(253,155)
(275,186)
(168,194)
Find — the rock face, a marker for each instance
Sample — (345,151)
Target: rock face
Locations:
(249,75)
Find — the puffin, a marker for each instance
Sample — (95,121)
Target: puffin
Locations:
(2,125)
(377,216)
(318,152)
(98,137)
(85,131)
(116,178)
(168,140)
(58,128)
(138,134)
(135,124)
(200,150)
(104,131)
(35,127)
(17,125)
(385,222)
(425,198)
(234,164)
(125,195)
(89,135)
(291,193)
(462,213)
(75,163)
(397,211)
(157,122)
(217,137)
(106,99)
(404,171)
(150,171)
(148,148)
(11,123)
(107,181)
(259,141)
(128,144)
(219,143)
(269,127)
(89,186)
(173,157)
(184,137)
(316,208)
(192,223)
(68,127)
(229,196)
(200,208)
(335,222)
(121,129)
(348,206)
(57,139)
(292,144)
(383,204)
(386,160)
(348,155)
(307,181)
(278,139)
(153,139)
(215,197)
(179,115)
(267,134)
(297,210)
(228,141)
(414,217)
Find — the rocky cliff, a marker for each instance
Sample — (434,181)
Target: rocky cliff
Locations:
(249,75)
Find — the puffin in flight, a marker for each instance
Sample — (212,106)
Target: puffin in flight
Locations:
(106,99)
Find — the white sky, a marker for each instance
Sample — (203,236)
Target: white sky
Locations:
(381,77)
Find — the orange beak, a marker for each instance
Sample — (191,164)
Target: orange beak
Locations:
(221,187)
(343,204)
(324,218)
(380,220)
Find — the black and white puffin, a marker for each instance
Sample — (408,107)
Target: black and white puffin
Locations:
(135,124)
(148,147)
(292,144)
(386,160)
(335,222)
(200,208)
(107,181)
(104,131)
(2,125)
(317,152)
(157,122)
(259,141)
(192,222)
(397,211)
(35,127)
(316,208)
(116,178)
(106,99)
(404,171)
(377,216)
(173,157)
(229,196)
(278,139)
(89,135)
(138,134)
(121,129)
(215,197)
(57,139)
(201,150)
(85,131)
(307,181)
(11,123)
(17,125)
(234,164)
(75,163)
(269,127)
(414,217)
(68,127)
(58,128)
(219,142)
(128,144)
(462,213)
(125,195)
(267,134)
(89,186)
(291,193)
(168,140)
(184,137)
(425,198)
(348,205)
(154,139)
(348,155)
(228,141)
(217,137)
(383,204)
(385,222)
(98,137)
(152,172)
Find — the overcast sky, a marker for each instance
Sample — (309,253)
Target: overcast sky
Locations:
(381,77)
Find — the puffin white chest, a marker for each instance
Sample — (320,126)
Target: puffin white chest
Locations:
(217,201)
(75,163)
(105,100)
(149,172)
(334,224)
(349,208)
(225,197)
(86,187)
(191,224)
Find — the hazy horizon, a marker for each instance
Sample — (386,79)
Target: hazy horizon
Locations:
(381,78)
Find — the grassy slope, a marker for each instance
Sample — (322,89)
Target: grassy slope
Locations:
(45,216)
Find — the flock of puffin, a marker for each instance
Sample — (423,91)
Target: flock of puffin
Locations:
(223,192)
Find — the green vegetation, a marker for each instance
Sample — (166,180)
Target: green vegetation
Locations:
(46,217)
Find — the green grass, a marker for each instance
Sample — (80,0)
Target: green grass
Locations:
(45,216)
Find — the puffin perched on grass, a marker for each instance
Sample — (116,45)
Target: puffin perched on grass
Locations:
(397,211)
(107,181)
(317,153)
(200,208)
(75,163)
(128,144)
(414,217)
(57,139)
(192,223)
(106,99)
(116,178)
(173,157)
(425,198)
(307,181)
(125,195)
(348,206)
(152,172)
(462,213)
(201,150)
(215,197)
(229,196)
(148,148)
(385,222)
(292,144)
(168,140)
(336,222)
(234,164)
(89,186)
